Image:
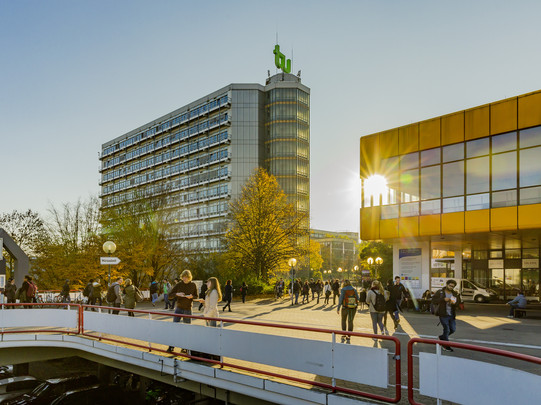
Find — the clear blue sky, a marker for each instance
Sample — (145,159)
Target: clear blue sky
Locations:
(75,74)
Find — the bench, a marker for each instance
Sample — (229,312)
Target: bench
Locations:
(521,312)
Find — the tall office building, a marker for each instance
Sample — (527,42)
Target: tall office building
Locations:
(460,196)
(199,156)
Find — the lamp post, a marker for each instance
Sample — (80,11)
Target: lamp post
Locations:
(379,261)
(109,248)
(355,269)
(292,262)
(339,270)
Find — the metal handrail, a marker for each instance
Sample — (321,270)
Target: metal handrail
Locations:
(498,352)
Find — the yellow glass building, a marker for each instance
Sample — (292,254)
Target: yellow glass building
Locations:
(459,196)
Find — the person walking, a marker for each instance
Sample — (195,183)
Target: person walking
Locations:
(518,302)
(243,291)
(213,295)
(397,291)
(65,293)
(228,295)
(186,292)
(117,291)
(153,292)
(376,298)
(95,293)
(327,291)
(445,302)
(335,286)
(318,287)
(348,302)
(390,306)
(306,292)
(166,289)
(296,290)
(129,296)
(10,291)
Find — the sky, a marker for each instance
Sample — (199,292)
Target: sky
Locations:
(75,74)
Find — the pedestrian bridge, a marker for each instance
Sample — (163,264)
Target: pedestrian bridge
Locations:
(258,362)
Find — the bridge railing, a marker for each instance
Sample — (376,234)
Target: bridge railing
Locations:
(473,378)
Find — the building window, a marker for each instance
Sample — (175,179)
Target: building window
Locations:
(454,204)
(530,167)
(504,198)
(477,175)
(504,171)
(389,211)
(504,142)
(530,137)
(477,202)
(453,152)
(409,161)
(453,179)
(478,147)
(430,207)
(409,185)
(530,195)
(430,182)
(430,157)
(409,210)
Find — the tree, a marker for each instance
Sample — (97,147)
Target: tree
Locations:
(313,260)
(377,249)
(70,247)
(264,228)
(26,229)
(140,230)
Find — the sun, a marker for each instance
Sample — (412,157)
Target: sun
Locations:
(374,186)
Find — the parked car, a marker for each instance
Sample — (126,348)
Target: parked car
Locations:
(47,391)
(15,386)
(96,395)
(469,290)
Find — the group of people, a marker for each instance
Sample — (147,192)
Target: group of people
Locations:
(27,293)
(307,288)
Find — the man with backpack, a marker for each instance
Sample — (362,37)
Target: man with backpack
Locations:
(348,301)
(27,292)
(444,304)
(398,292)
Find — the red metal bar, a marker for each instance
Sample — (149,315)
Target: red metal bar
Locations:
(498,352)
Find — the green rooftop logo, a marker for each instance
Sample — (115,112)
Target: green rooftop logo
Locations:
(280,60)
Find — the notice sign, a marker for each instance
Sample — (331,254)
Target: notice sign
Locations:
(109,260)
(409,266)
(530,263)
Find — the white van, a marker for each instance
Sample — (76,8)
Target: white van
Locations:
(469,290)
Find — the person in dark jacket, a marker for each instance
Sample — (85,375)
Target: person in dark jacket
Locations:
(398,292)
(153,292)
(185,292)
(306,292)
(243,291)
(65,293)
(335,286)
(228,294)
(10,291)
(202,295)
(447,300)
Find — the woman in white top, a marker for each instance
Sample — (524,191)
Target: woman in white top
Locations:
(212,297)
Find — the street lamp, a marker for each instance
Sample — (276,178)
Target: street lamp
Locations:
(339,270)
(292,262)
(109,248)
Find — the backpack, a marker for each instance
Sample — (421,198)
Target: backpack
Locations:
(31,290)
(111,295)
(379,305)
(86,291)
(434,309)
(350,300)
(138,295)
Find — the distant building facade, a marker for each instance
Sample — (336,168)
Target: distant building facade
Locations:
(338,251)
(199,156)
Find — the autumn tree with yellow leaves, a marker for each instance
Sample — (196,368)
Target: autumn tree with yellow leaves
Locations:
(264,228)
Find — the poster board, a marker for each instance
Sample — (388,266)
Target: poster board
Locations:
(410,266)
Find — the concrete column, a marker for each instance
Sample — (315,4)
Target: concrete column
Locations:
(458,263)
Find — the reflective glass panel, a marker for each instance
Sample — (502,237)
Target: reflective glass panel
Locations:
(453,152)
(453,179)
(530,195)
(477,202)
(454,204)
(477,175)
(504,171)
(530,167)
(409,161)
(478,147)
(530,253)
(530,137)
(504,142)
(409,210)
(430,157)
(504,198)
(409,185)
(430,182)
(430,207)
(389,211)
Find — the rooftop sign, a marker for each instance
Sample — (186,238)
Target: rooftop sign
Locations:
(280,60)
